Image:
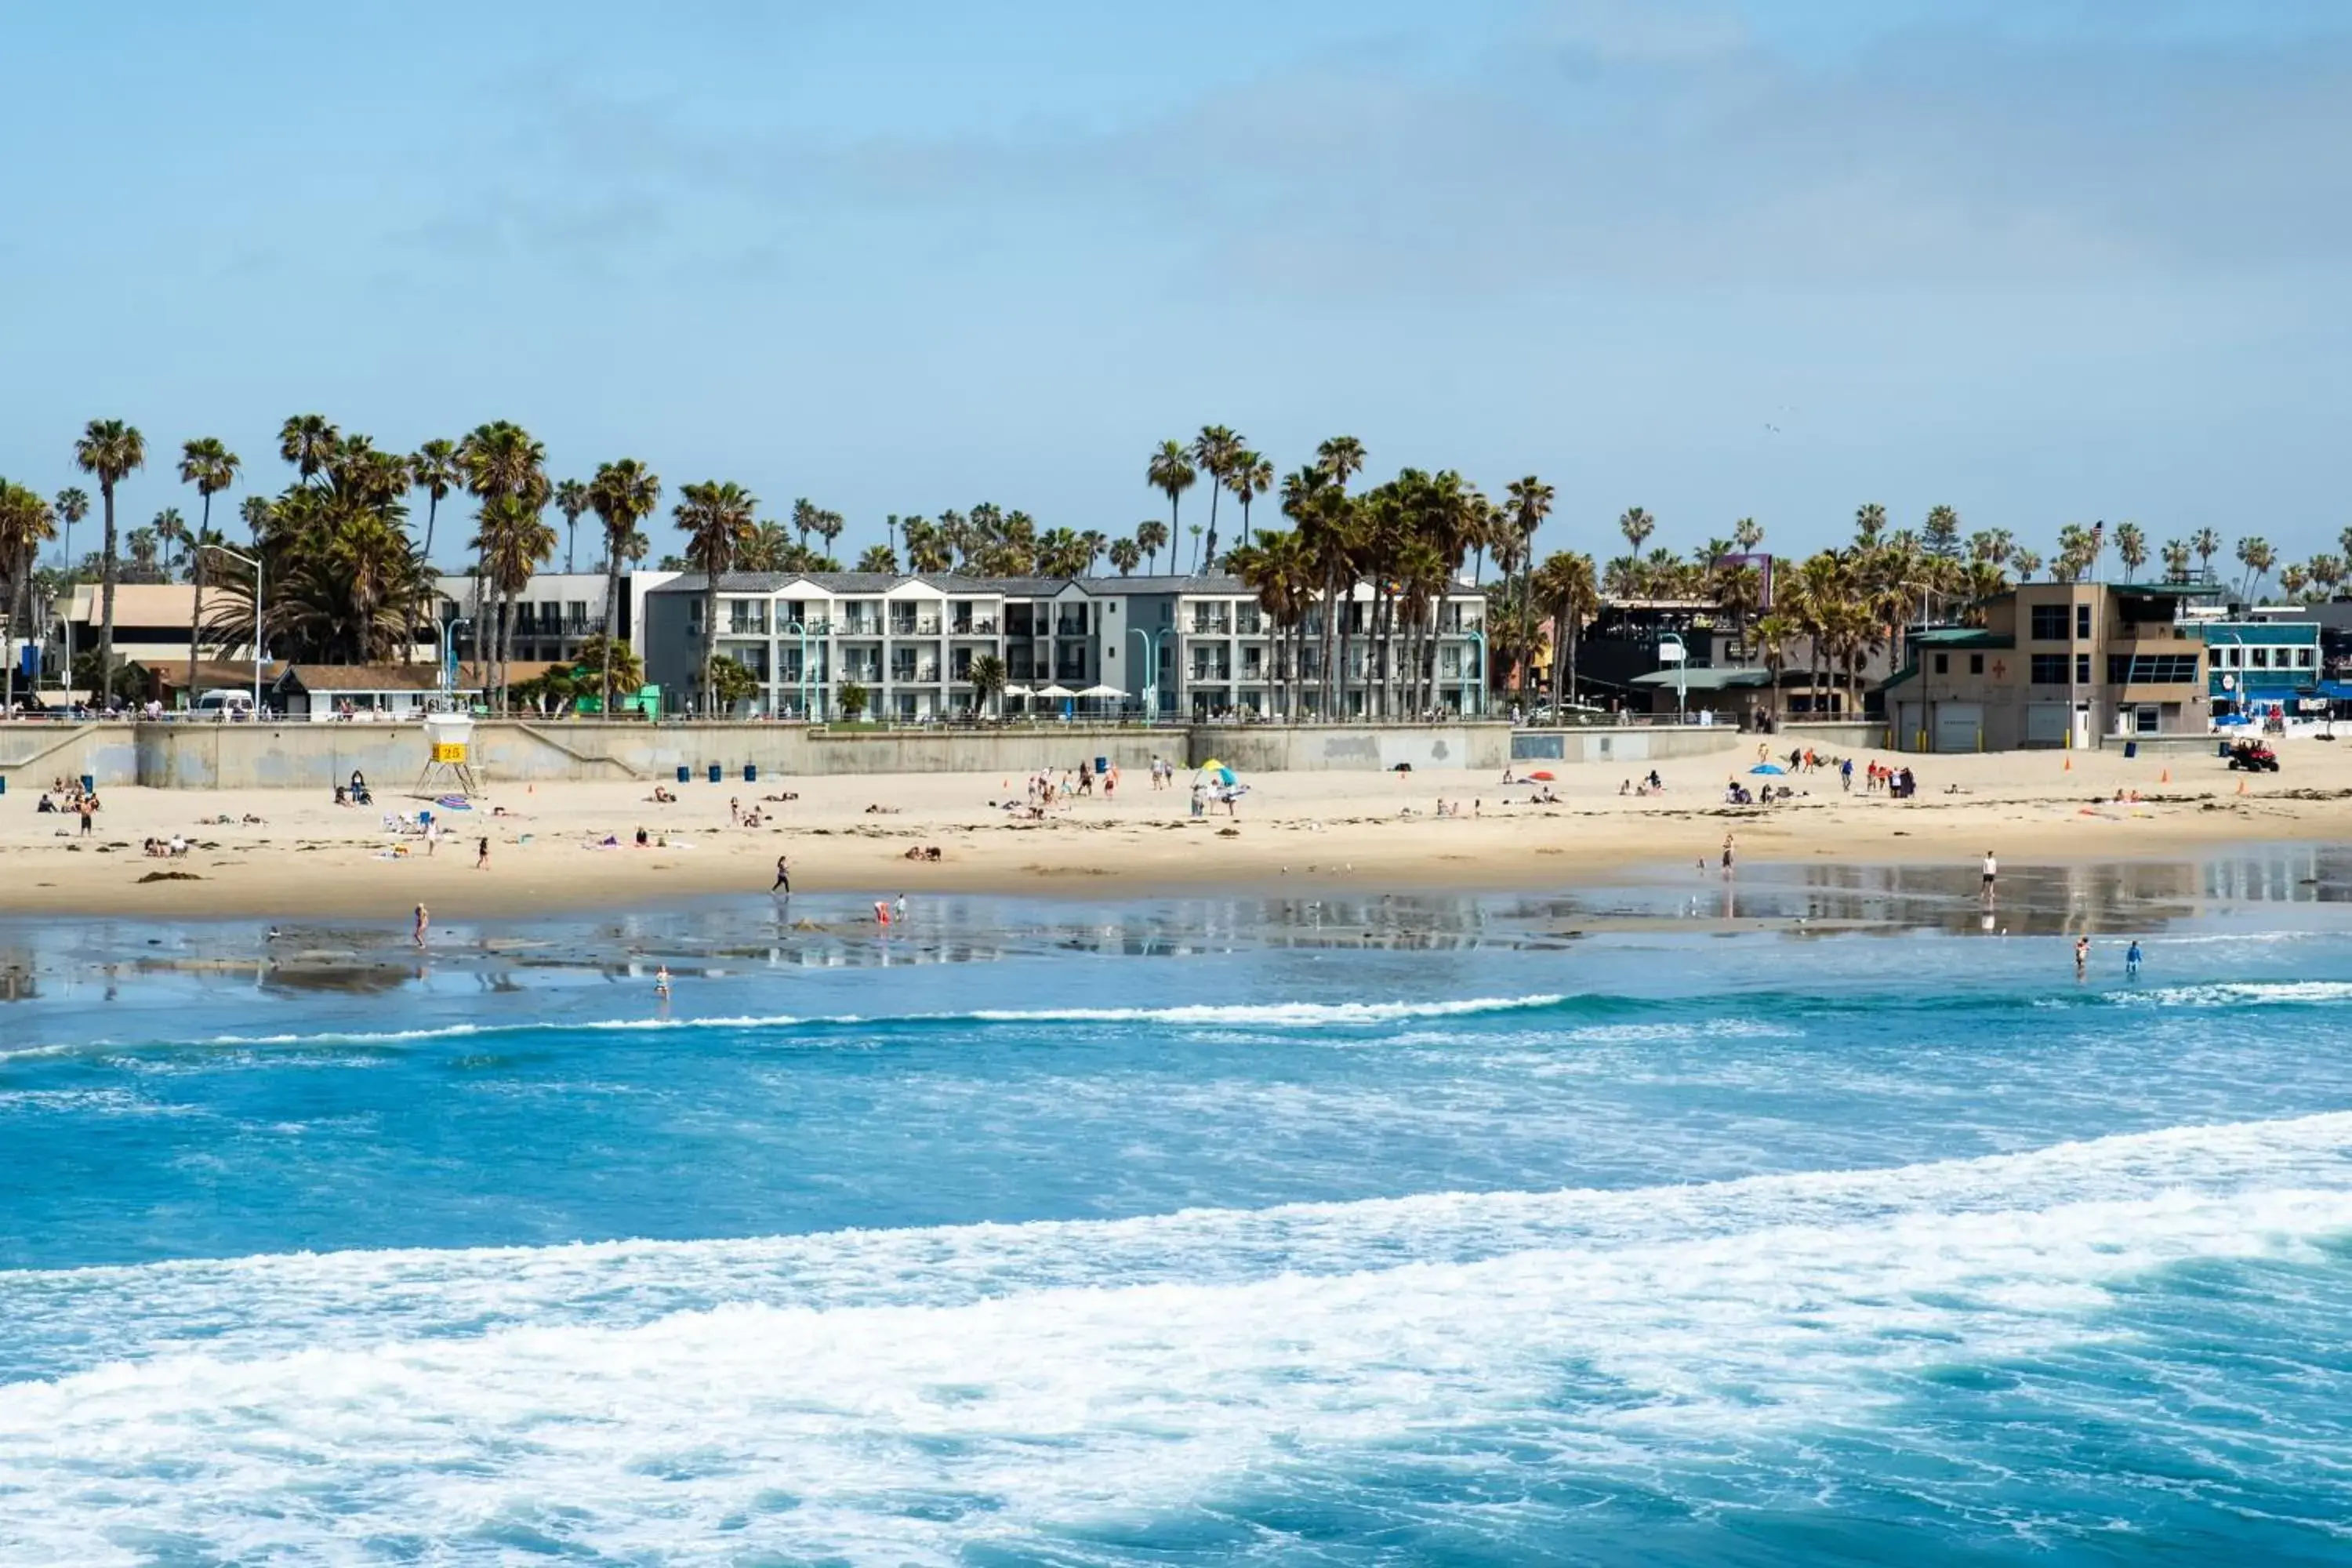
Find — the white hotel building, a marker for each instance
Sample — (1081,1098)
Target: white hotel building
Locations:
(1188,647)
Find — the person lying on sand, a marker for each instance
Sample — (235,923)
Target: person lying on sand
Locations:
(662,796)
(926,852)
(780,799)
(879,810)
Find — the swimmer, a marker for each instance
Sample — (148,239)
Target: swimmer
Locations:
(2081,956)
(661,983)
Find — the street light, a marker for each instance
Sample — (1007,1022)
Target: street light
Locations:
(1151,669)
(448,664)
(1672,650)
(254,563)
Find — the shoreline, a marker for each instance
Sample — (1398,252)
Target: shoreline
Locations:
(1296,833)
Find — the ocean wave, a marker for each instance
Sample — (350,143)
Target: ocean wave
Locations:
(265,1304)
(2240,993)
(1275,1015)
(910,1429)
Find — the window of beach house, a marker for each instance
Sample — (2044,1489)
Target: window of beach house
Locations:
(2303,659)
(2048,623)
(1976,664)
(1943,664)
(2082,622)
(2082,670)
(2049,669)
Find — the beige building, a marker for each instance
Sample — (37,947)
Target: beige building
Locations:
(2055,664)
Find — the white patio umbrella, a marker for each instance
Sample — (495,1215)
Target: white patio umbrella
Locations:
(1104,691)
(1013,691)
(1055,693)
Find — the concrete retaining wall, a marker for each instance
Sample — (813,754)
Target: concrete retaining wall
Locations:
(1628,744)
(319,756)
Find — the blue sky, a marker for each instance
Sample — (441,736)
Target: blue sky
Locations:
(2049,262)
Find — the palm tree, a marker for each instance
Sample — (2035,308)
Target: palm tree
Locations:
(1214,451)
(1170,472)
(499,459)
(715,518)
(514,540)
(309,442)
(1774,633)
(206,463)
(570,500)
(71,505)
(2207,543)
(257,512)
(2293,578)
(108,451)
(2254,553)
(435,468)
(878,558)
(1342,457)
(2131,548)
(987,677)
(27,522)
(2176,555)
(1747,533)
(171,530)
(2326,571)
(2027,563)
(1152,538)
(1251,477)
(622,495)
(1636,525)
(1529,502)
(1942,533)
(1125,555)
(1566,588)
(1869,522)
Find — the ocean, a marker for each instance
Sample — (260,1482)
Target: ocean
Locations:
(1824,1220)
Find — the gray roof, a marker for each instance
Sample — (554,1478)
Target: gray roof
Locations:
(954,582)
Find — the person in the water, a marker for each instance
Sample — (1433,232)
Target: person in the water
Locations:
(2131,959)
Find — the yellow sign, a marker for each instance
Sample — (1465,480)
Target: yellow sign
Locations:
(449,751)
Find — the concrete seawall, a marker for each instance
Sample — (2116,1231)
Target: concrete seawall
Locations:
(319,756)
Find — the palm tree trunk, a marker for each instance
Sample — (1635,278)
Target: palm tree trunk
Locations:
(109,570)
(710,643)
(195,620)
(611,620)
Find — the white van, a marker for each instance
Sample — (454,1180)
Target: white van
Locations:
(221,703)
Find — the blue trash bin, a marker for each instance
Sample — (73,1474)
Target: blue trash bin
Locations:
(716,772)
(750,773)
(684,773)
(89,784)
(1102,766)
(2131,749)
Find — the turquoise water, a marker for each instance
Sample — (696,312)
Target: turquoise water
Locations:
(1366,1232)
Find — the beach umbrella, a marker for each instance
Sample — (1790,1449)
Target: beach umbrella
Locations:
(1014,691)
(1541,775)
(1055,693)
(1767,768)
(1102,691)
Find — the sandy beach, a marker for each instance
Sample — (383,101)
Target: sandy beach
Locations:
(308,856)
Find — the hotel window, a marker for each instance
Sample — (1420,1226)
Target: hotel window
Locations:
(2082,622)
(1976,664)
(2303,659)
(2082,670)
(2049,669)
(2261,657)
(2048,623)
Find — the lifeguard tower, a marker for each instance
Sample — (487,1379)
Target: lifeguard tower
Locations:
(449,759)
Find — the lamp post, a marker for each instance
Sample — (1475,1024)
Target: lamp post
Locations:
(254,561)
(1672,650)
(1474,676)
(448,630)
(1152,655)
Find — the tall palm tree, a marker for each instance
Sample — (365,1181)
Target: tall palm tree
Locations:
(2207,543)
(309,442)
(1342,457)
(1152,538)
(27,522)
(1747,533)
(1250,477)
(172,529)
(108,451)
(1529,502)
(570,500)
(206,463)
(257,512)
(2131,548)
(716,519)
(1125,555)
(515,539)
(2255,554)
(71,505)
(1214,451)
(500,461)
(2026,563)
(1565,585)
(436,470)
(2176,555)
(1636,525)
(1170,472)
(1869,522)
(622,495)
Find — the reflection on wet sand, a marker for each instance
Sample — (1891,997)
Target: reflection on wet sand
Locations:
(1801,901)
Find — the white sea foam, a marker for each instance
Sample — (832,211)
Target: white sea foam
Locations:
(909,1432)
(2249,993)
(1277,1015)
(259,1306)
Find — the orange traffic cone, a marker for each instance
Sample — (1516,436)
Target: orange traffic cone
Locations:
(2069,766)
(2164,777)
(2241,787)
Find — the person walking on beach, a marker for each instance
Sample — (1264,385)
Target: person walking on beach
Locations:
(1846,776)
(1991,871)
(482,854)
(87,805)
(424,924)
(783,883)
(1727,854)
(2081,956)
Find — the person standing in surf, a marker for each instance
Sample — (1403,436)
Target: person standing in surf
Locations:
(784,882)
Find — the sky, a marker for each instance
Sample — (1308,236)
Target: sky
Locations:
(2051,262)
